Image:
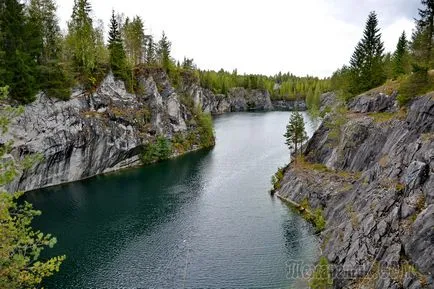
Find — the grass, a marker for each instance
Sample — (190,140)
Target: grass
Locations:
(301,163)
(388,88)
(382,117)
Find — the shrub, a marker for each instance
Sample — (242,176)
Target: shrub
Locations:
(321,277)
(160,149)
(416,84)
(205,129)
(276,180)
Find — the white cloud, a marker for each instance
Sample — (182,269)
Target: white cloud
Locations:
(258,36)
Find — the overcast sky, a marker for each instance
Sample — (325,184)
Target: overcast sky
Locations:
(312,37)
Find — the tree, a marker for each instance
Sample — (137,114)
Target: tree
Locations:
(21,245)
(134,39)
(150,50)
(295,132)
(20,67)
(117,53)
(401,57)
(367,60)
(164,47)
(53,77)
(83,40)
(422,41)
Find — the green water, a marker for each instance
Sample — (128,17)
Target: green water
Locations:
(204,220)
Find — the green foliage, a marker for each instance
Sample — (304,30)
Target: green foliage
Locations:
(21,246)
(295,132)
(85,45)
(416,84)
(401,57)
(336,121)
(163,52)
(321,277)
(20,264)
(205,129)
(18,68)
(118,63)
(276,179)
(159,150)
(134,40)
(280,87)
(422,38)
(367,69)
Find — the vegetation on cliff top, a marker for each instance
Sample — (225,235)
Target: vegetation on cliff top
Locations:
(39,57)
(409,65)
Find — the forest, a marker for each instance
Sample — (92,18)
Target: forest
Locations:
(36,56)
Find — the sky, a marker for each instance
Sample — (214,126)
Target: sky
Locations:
(304,37)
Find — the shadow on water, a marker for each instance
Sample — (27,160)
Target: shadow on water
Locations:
(204,220)
(92,211)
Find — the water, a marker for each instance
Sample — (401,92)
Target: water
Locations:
(204,220)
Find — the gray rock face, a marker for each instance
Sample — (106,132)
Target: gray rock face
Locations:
(377,194)
(239,99)
(373,102)
(91,134)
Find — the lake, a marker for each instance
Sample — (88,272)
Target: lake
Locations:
(203,220)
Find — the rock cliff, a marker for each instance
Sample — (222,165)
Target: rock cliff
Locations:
(372,175)
(104,131)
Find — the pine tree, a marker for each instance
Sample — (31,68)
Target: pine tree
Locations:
(401,57)
(366,61)
(116,48)
(295,132)
(164,47)
(16,54)
(422,38)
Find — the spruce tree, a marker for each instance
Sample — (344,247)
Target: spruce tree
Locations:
(366,61)
(53,77)
(164,47)
(422,38)
(16,58)
(150,50)
(116,48)
(401,57)
(295,133)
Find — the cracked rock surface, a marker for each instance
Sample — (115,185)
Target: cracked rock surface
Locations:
(376,189)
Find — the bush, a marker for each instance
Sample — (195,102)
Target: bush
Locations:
(416,84)
(276,180)
(205,129)
(160,149)
(321,277)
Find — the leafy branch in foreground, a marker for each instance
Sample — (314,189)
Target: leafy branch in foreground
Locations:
(20,244)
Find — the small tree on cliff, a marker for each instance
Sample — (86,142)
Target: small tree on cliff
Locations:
(295,132)
(118,61)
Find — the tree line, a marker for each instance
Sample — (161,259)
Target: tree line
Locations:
(409,65)
(36,56)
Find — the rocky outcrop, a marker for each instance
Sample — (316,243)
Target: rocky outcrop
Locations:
(93,133)
(104,131)
(240,99)
(373,177)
